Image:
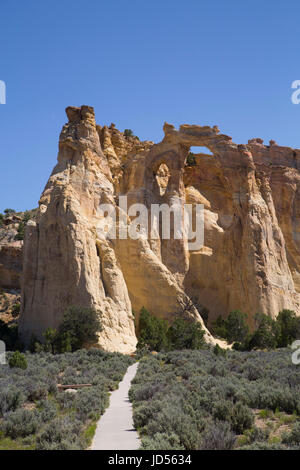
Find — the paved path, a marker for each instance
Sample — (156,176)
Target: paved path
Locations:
(115,429)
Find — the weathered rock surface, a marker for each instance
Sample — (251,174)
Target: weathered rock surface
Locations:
(64,262)
(251,253)
(11,265)
(11,253)
(11,248)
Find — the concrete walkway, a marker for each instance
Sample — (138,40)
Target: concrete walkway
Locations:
(115,429)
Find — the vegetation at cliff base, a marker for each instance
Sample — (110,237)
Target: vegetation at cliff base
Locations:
(267,334)
(79,328)
(198,400)
(156,334)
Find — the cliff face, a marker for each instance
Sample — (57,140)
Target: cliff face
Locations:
(10,252)
(249,260)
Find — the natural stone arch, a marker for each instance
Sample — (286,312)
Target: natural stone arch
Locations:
(174,160)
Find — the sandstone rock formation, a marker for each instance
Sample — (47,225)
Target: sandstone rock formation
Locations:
(11,265)
(251,250)
(11,252)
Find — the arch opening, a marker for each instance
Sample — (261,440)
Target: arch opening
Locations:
(195,153)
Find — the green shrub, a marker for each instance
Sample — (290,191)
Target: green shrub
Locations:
(79,327)
(265,334)
(26,216)
(288,328)
(18,360)
(234,328)
(152,331)
(240,346)
(63,342)
(191,160)
(128,133)
(37,390)
(48,410)
(218,351)
(91,403)
(61,434)
(222,410)
(219,327)
(162,441)
(15,311)
(263,446)
(20,231)
(20,423)
(51,339)
(218,436)
(292,438)
(242,418)
(185,334)
(10,399)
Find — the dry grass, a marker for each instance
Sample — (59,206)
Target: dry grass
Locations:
(277,423)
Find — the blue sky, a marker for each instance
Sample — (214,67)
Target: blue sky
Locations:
(140,63)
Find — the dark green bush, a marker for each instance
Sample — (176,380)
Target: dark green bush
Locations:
(236,326)
(288,328)
(9,211)
(79,327)
(265,334)
(128,133)
(18,360)
(20,231)
(191,160)
(15,311)
(185,334)
(219,327)
(218,351)
(152,331)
